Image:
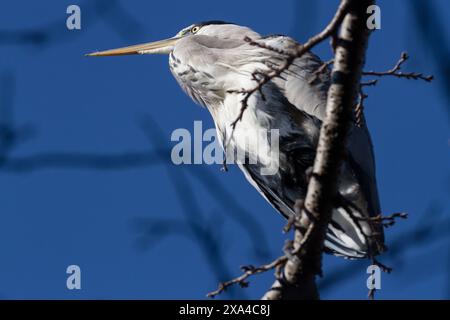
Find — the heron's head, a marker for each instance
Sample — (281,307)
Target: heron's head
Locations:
(216,29)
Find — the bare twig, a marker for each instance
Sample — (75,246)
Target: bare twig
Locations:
(395,71)
(248,272)
(359,108)
(321,70)
(386,221)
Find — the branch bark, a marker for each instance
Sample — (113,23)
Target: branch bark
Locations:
(296,279)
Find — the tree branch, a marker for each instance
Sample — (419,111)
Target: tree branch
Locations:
(395,71)
(248,272)
(299,272)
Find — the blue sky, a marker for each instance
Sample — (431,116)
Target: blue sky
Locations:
(138,230)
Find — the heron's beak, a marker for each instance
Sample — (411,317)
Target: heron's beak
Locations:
(158,47)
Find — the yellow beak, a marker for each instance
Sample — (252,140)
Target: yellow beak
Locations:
(158,47)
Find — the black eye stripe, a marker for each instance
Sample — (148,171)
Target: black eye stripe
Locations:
(217,22)
(200,25)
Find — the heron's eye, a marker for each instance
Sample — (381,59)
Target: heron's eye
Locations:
(195,29)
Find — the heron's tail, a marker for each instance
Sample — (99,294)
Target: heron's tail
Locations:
(351,237)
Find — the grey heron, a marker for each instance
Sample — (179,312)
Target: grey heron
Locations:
(213,62)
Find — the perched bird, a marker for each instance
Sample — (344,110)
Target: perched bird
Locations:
(214,62)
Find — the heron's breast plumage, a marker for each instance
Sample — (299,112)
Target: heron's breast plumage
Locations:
(196,80)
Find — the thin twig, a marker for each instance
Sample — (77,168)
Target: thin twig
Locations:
(359,108)
(386,221)
(248,272)
(395,71)
(320,70)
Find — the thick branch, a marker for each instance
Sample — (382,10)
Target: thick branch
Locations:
(299,271)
